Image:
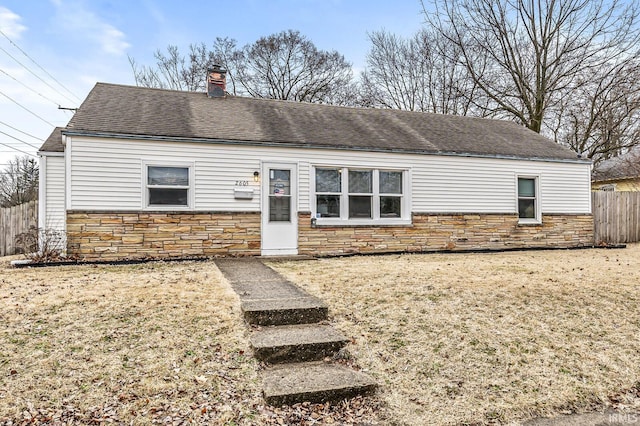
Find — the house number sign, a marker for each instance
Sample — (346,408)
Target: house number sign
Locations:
(242,183)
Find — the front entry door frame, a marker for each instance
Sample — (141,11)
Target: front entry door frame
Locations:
(279,237)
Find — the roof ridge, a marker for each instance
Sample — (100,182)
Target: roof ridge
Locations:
(315,104)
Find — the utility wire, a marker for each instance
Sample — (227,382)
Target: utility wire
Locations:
(17,149)
(19,140)
(18,130)
(27,109)
(28,87)
(36,75)
(38,65)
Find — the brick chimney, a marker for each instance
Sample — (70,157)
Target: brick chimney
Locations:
(216,82)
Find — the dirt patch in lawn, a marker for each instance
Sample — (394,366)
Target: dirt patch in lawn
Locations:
(136,344)
(488,338)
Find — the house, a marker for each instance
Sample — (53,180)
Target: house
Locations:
(142,172)
(620,173)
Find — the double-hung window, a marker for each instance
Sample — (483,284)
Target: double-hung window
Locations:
(360,194)
(346,195)
(328,192)
(168,186)
(528,200)
(390,194)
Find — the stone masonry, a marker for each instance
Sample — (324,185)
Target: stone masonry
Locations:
(134,235)
(439,232)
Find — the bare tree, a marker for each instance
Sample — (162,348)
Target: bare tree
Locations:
(178,72)
(602,117)
(289,66)
(527,55)
(19,181)
(422,73)
(285,65)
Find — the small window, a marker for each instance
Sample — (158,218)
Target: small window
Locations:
(168,186)
(527,199)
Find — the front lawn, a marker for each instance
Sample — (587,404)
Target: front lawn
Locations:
(451,338)
(158,343)
(491,337)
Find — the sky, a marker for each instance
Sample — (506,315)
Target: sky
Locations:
(52,52)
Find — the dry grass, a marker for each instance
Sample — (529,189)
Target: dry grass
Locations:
(128,343)
(452,338)
(157,343)
(488,338)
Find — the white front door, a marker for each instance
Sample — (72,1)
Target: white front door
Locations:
(279,209)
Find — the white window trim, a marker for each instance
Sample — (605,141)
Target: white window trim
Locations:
(537,220)
(190,188)
(344,219)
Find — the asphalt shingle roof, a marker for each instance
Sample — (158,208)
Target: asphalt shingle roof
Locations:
(111,109)
(53,142)
(625,166)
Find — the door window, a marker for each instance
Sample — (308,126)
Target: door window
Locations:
(279,195)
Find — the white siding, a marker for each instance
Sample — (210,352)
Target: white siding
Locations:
(107,174)
(54,211)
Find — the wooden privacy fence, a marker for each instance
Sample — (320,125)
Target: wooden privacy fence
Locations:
(616,217)
(13,222)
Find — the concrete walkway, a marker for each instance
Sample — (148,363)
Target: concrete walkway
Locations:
(267,297)
(290,335)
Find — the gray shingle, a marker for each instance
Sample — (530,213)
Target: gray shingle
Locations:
(53,142)
(136,111)
(625,166)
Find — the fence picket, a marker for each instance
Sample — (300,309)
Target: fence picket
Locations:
(13,222)
(616,216)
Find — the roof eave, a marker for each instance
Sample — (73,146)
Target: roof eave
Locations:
(284,144)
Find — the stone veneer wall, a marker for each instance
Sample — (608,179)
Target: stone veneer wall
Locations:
(131,235)
(438,232)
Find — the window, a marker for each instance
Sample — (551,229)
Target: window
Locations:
(279,195)
(527,199)
(168,186)
(390,194)
(328,189)
(359,195)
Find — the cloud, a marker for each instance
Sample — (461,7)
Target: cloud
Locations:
(74,16)
(10,23)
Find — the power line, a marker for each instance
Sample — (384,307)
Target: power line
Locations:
(38,65)
(17,149)
(27,109)
(28,87)
(19,140)
(36,75)
(18,130)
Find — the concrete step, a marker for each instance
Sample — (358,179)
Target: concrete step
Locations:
(296,343)
(286,384)
(285,311)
